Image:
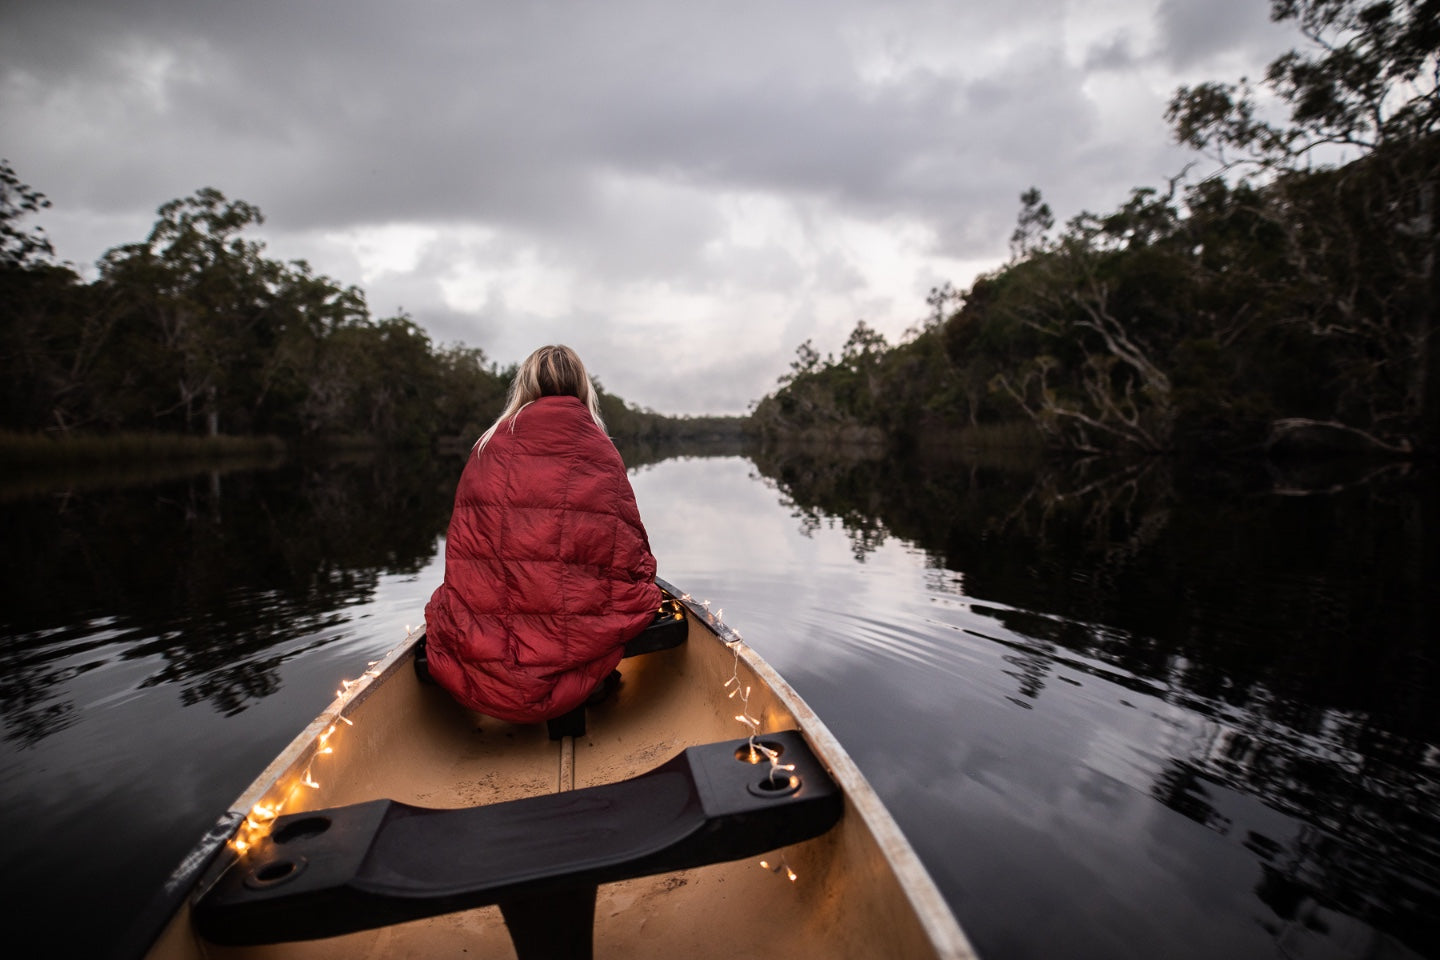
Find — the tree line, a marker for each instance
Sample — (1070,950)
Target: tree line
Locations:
(195,331)
(1286,303)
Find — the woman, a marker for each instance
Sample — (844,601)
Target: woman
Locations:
(548,570)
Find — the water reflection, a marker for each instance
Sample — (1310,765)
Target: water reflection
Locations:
(215,577)
(208,577)
(1121,710)
(1283,639)
(163,635)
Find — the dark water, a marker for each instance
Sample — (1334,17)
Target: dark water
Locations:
(1120,711)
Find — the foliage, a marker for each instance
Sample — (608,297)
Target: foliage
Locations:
(1370,80)
(20,248)
(1289,304)
(195,331)
(1032,226)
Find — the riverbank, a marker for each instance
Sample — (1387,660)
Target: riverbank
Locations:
(44,450)
(37,464)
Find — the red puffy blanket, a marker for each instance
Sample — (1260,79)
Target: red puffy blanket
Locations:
(548,570)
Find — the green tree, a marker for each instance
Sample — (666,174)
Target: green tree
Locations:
(471,391)
(201,290)
(807,361)
(195,329)
(290,393)
(1106,300)
(20,247)
(52,326)
(227,336)
(1369,79)
(1360,241)
(1033,226)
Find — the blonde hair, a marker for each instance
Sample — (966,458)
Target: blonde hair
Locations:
(551,371)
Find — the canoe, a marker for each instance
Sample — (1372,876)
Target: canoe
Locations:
(701,810)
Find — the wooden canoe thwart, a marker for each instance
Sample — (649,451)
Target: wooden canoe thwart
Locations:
(401,825)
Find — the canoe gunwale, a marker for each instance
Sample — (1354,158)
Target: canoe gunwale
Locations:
(211,856)
(301,750)
(206,860)
(919,887)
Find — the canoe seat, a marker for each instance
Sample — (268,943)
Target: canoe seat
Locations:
(328,872)
(668,629)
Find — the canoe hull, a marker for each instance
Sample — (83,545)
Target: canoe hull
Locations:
(859,889)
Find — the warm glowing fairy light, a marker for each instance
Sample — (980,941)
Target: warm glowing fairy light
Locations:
(757,749)
(257,822)
(790,874)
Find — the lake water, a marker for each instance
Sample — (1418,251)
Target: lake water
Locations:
(1119,710)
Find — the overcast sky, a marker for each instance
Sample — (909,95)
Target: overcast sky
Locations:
(683,191)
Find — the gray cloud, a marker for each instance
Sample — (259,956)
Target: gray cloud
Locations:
(1192,32)
(730,177)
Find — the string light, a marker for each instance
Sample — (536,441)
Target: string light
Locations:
(776,868)
(757,748)
(257,822)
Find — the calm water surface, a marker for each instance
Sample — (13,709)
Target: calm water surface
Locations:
(1119,714)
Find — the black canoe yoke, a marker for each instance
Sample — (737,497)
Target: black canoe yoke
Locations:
(335,871)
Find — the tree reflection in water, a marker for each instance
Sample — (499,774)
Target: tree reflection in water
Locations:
(1289,612)
(1274,627)
(231,569)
